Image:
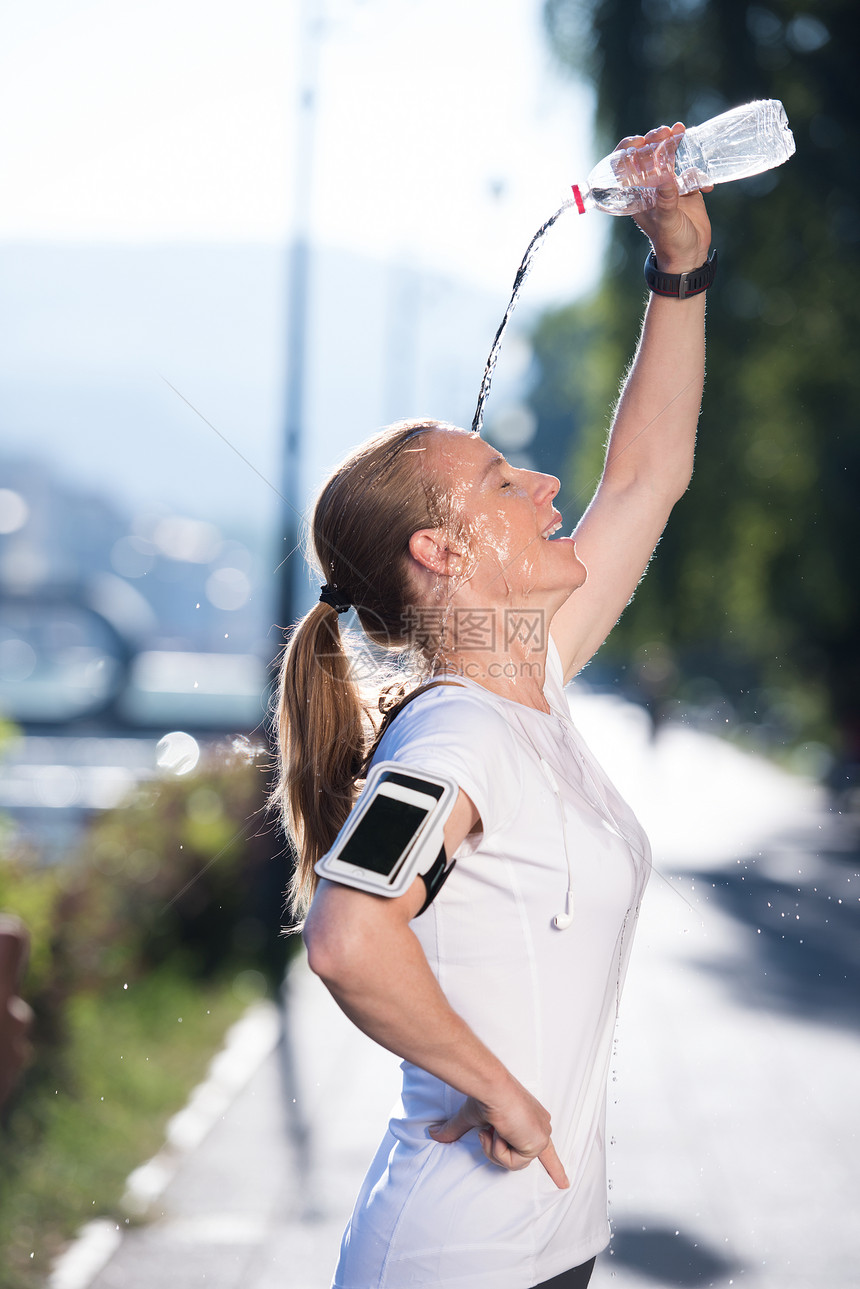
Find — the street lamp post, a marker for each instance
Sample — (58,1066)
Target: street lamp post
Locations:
(309,30)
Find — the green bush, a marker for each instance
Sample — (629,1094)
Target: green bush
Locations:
(189,873)
(172,896)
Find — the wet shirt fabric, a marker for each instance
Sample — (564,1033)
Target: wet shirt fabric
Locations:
(543,1000)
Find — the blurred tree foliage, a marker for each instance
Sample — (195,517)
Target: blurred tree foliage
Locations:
(183,878)
(757,583)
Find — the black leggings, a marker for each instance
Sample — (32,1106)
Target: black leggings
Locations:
(576,1278)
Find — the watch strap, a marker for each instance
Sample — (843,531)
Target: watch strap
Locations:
(680,285)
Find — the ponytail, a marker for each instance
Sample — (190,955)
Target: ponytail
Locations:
(321,730)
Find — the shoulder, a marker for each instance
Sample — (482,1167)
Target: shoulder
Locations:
(446,713)
(459,732)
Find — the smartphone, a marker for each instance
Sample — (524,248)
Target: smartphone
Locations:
(395,831)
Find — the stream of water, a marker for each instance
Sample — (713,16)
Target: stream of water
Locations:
(522,273)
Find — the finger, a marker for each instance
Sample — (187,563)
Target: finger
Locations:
(505,1155)
(667,193)
(659,133)
(455,1127)
(501,1153)
(554,1166)
(485,1136)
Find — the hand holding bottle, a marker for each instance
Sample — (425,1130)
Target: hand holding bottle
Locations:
(678,227)
(743,141)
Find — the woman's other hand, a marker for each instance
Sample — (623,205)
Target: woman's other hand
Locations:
(512,1133)
(678,227)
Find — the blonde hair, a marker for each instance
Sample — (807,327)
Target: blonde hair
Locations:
(360,530)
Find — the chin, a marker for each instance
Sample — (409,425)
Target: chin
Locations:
(581,575)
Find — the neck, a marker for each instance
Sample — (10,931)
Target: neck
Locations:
(517,673)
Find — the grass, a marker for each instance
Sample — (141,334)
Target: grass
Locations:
(136,1057)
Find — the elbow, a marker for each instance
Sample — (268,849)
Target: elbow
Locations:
(332,948)
(672,484)
(322,952)
(680,488)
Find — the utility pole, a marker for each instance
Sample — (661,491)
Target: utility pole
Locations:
(309,34)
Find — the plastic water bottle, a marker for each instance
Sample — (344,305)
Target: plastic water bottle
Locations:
(745,141)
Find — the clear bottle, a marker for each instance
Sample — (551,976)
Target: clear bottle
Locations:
(744,141)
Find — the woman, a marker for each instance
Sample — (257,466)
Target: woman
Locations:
(501,997)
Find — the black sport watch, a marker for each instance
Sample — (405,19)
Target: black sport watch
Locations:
(680,285)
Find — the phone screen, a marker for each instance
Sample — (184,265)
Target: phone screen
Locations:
(383,834)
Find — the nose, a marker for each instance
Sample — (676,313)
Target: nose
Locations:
(546,487)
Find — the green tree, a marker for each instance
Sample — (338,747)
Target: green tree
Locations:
(758,578)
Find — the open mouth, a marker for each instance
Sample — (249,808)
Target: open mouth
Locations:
(552,529)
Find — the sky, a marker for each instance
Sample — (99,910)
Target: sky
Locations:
(442,130)
(155,163)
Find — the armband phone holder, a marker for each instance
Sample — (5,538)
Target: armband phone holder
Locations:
(394,833)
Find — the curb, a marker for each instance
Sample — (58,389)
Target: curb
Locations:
(246,1045)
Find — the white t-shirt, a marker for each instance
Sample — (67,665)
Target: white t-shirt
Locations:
(543,1000)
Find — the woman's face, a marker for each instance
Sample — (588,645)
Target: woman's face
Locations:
(509,519)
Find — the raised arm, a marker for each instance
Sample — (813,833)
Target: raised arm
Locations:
(649,457)
(365,952)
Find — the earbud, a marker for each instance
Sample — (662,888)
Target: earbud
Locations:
(563,920)
(549,776)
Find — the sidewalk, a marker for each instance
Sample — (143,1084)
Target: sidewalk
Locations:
(734,1152)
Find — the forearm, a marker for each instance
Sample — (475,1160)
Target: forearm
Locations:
(377,972)
(373,964)
(653,435)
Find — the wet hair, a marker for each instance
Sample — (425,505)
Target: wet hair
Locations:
(360,530)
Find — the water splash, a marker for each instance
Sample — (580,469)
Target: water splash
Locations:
(522,273)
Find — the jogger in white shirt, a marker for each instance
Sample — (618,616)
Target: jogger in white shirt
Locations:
(501,997)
